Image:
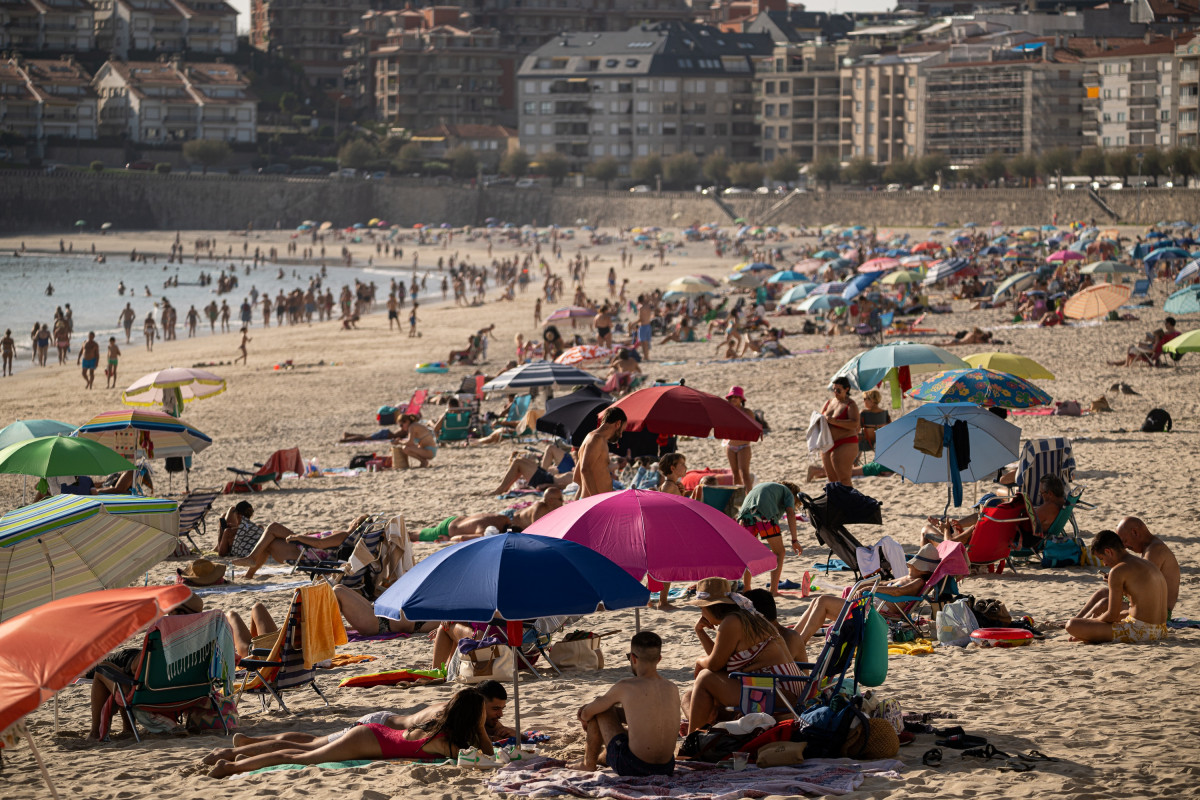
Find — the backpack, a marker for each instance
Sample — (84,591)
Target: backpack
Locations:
(832,731)
(360,461)
(1157,421)
(713,744)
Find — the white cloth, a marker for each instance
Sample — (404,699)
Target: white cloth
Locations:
(820,438)
(886,549)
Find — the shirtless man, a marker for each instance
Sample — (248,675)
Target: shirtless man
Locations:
(1137,537)
(643,743)
(518,520)
(126,319)
(89,357)
(1129,576)
(644,332)
(591,470)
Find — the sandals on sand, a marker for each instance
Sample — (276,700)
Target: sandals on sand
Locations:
(956,739)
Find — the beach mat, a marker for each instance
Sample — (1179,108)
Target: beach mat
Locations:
(1180,624)
(393,677)
(236,588)
(343,765)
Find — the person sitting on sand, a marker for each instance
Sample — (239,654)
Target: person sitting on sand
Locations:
(826,607)
(764,603)
(421,443)
(237,534)
(495,700)
(280,543)
(1129,576)
(633,726)
(1137,537)
(1144,351)
(745,642)
(458,726)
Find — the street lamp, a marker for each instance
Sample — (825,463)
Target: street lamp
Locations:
(1140,156)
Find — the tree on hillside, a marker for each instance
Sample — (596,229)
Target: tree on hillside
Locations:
(1091,162)
(681,170)
(993,168)
(515,164)
(902,171)
(746,173)
(356,154)
(207,152)
(827,170)
(408,159)
(1023,166)
(646,170)
(464,164)
(784,169)
(930,166)
(603,169)
(862,170)
(555,167)
(716,168)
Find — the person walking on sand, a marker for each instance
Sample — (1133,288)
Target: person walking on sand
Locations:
(224,316)
(110,371)
(412,321)
(242,348)
(126,320)
(89,357)
(192,319)
(150,331)
(8,348)
(392,313)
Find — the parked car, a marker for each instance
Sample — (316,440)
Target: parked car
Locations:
(641,188)
(144,166)
(377,175)
(344,172)
(313,170)
(275,169)
(526,183)
(736,190)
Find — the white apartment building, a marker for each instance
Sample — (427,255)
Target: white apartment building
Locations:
(166,26)
(1133,96)
(60,26)
(1187,77)
(40,99)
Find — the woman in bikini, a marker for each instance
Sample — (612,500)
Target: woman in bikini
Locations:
(736,450)
(421,443)
(460,725)
(842,414)
(745,642)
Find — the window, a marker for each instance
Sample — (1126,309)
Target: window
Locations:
(670,85)
(783,87)
(769,110)
(1120,141)
(720,129)
(1107,117)
(530,108)
(547,129)
(768,133)
(669,129)
(631,63)
(1120,92)
(1108,94)
(547,107)
(783,109)
(783,132)
(642,129)
(769,87)
(1164,115)
(612,63)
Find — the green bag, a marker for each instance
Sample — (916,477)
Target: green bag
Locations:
(873,655)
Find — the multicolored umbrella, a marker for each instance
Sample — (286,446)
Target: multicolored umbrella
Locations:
(1096,301)
(980,386)
(172,387)
(1184,301)
(1109,268)
(25,429)
(153,433)
(584,352)
(70,544)
(1012,364)
(60,456)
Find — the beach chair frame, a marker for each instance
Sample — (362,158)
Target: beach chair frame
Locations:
(270,672)
(370,532)
(193,513)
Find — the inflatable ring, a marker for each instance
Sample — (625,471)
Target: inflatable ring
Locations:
(1001,637)
(433,366)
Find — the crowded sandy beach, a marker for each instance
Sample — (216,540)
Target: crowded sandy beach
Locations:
(1061,717)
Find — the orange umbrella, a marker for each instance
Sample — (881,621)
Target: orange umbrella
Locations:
(1096,301)
(48,647)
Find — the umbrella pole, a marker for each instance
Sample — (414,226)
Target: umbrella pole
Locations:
(517,696)
(41,764)
(53,597)
(637,620)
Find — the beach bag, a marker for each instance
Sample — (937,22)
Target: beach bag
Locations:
(780,754)
(1157,421)
(713,744)
(360,461)
(206,719)
(579,653)
(386,415)
(955,624)
(490,663)
(1061,553)
(836,730)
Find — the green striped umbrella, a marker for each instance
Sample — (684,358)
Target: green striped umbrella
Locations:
(58,456)
(67,545)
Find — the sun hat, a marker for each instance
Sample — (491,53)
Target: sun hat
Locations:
(712,591)
(202,572)
(193,605)
(737,392)
(927,558)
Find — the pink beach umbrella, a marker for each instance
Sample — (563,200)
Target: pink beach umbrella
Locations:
(1065,255)
(667,537)
(879,265)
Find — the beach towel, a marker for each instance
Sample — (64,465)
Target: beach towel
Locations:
(545,777)
(236,588)
(1178,624)
(354,636)
(187,640)
(322,624)
(833,565)
(871,559)
(393,677)
(345,660)
(918,647)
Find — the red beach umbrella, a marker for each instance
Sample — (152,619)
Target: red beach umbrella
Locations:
(684,411)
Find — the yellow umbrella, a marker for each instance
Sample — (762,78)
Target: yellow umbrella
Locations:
(901,276)
(1011,363)
(1096,301)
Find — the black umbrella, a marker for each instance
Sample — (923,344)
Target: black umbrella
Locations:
(573,416)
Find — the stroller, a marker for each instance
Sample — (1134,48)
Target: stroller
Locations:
(829,514)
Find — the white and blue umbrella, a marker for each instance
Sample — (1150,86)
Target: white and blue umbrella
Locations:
(797,293)
(869,369)
(821,302)
(1188,272)
(539,373)
(1014,284)
(829,287)
(944,269)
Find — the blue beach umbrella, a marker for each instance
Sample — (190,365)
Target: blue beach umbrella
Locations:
(1184,301)
(859,283)
(821,302)
(797,293)
(869,369)
(1187,272)
(25,429)
(1167,253)
(788,276)
(829,287)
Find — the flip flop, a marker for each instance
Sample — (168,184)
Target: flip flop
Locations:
(1035,755)
(987,752)
(962,741)
(1012,765)
(932,758)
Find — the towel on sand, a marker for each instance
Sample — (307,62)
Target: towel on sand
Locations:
(322,623)
(545,777)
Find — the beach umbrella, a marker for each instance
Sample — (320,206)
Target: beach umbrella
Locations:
(797,293)
(674,294)
(539,373)
(808,265)
(172,387)
(573,416)
(943,270)
(1184,343)
(927,246)
(821,302)
(325,226)
(900,277)
(1168,254)
(514,577)
(1188,272)
(1109,268)
(584,352)
(70,544)
(1096,301)
(747,279)
(980,386)
(105,226)
(993,443)
(1064,255)
(859,283)
(1014,284)
(60,456)
(664,536)
(757,266)
(1184,301)
(787,276)
(25,429)
(1010,363)
(79,223)
(871,368)
(692,281)
(829,287)
(46,649)
(684,411)
(879,265)
(825,254)
(155,434)
(569,312)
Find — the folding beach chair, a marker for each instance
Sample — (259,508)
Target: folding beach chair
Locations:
(288,663)
(1000,525)
(194,669)
(829,522)
(456,426)
(271,471)
(1039,457)
(941,588)
(193,510)
(356,556)
(1141,288)
(726,499)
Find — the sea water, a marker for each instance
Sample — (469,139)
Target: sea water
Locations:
(91,289)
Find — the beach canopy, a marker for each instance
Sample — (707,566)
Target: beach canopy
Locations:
(1096,301)
(25,429)
(155,434)
(60,456)
(172,387)
(667,537)
(539,373)
(684,411)
(69,544)
(1013,364)
(1184,301)
(870,368)
(982,387)
(1184,343)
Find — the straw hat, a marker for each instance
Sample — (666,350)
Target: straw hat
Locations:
(202,572)
(712,591)
(927,558)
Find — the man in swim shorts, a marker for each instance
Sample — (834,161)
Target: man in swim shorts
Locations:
(1129,576)
(468,527)
(760,513)
(644,331)
(638,738)
(89,357)
(1138,538)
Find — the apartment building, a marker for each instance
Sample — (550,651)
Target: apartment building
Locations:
(651,90)
(144,27)
(158,102)
(798,100)
(47,26)
(525,25)
(882,104)
(490,143)
(1187,76)
(1132,96)
(419,68)
(44,98)
(309,32)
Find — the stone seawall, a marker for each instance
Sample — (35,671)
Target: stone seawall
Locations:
(37,202)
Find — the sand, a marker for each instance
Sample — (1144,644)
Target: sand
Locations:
(1117,717)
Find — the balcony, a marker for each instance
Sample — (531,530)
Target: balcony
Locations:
(1143,100)
(1142,76)
(1187,125)
(1189,100)
(1142,125)
(1189,75)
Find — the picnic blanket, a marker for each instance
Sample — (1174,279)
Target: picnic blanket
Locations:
(546,777)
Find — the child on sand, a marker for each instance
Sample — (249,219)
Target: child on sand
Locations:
(242,347)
